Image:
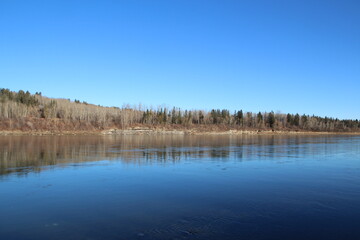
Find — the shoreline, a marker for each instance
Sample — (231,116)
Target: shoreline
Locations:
(157,132)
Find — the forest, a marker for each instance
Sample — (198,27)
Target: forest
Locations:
(25,111)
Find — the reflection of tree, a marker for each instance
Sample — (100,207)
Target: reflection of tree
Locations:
(23,154)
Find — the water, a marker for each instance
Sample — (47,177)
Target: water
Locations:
(180,187)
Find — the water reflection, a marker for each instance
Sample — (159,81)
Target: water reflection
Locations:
(179,187)
(24,154)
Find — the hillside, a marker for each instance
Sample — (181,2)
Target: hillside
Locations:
(23,111)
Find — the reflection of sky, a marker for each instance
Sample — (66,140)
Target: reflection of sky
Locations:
(98,188)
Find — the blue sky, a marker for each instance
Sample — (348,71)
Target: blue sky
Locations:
(288,56)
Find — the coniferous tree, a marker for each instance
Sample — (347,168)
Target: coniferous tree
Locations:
(259,117)
(289,119)
(297,120)
(271,119)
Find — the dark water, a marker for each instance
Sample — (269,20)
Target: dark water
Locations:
(134,187)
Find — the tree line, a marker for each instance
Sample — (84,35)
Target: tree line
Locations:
(24,105)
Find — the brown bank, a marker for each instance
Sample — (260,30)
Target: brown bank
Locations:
(56,127)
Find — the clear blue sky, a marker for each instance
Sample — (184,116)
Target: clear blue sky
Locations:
(292,56)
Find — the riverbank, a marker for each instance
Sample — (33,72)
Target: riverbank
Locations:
(169,131)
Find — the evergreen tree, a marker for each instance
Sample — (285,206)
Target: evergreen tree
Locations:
(297,120)
(289,119)
(259,117)
(271,119)
(239,118)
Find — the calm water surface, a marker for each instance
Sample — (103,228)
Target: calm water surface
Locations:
(180,187)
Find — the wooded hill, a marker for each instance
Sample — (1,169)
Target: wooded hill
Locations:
(25,111)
